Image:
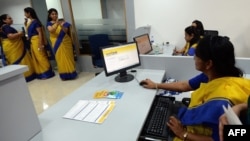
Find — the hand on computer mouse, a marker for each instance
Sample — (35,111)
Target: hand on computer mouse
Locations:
(147,83)
(142,83)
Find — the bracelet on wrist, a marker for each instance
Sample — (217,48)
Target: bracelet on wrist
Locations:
(156,86)
(185,135)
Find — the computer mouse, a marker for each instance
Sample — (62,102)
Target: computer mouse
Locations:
(143,83)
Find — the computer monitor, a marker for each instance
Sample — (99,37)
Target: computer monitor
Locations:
(143,43)
(120,58)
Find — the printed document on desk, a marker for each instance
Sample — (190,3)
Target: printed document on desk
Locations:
(90,111)
(232,118)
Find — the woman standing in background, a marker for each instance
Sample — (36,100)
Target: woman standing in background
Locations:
(37,45)
(13,48)
(60,37)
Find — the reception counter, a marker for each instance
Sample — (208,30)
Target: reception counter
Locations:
(19,121)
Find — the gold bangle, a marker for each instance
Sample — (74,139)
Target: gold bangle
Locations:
(185,135)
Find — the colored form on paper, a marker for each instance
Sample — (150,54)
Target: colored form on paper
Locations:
(108,94)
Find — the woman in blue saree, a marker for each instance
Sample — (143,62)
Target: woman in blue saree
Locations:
(13,50)
(61,41)
(38,42)
(214,56)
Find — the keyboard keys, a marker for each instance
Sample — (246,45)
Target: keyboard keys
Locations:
(158,116)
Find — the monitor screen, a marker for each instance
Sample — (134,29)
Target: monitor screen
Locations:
(143,43)
(120,58)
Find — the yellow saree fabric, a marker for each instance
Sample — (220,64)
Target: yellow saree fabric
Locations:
(14,50)
(39,56)
(235,89)
(63,48)
(187,47)
(205,108)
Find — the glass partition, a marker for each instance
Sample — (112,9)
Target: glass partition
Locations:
(99,17)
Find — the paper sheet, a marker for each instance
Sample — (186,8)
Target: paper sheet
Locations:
(232,118)
(90,111)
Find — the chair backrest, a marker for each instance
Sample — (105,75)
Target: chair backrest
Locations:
(211,32)
(96,41)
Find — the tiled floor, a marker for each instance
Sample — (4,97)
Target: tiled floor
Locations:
(45,93)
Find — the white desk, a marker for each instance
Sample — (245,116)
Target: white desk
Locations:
(123,124)
(181,67)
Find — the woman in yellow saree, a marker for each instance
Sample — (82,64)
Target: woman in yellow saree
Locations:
(192,38)
(214,56)
(13,50)
(62,45)
(39,54)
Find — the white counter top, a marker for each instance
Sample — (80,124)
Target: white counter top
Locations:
(11,70)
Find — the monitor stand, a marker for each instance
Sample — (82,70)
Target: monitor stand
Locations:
(124,77)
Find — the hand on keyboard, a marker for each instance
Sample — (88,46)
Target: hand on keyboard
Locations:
(176,127)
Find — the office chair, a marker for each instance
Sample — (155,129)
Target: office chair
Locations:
(186,101)
(96,41)
(211,32)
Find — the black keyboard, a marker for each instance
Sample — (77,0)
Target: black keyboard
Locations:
(155,125)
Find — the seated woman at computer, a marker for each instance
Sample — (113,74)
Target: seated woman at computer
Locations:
(214,56)
(184,85)
(192,38)
(199,26)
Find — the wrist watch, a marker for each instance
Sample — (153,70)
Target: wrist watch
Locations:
(185,136)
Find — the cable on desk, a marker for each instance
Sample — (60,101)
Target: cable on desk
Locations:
(135,72)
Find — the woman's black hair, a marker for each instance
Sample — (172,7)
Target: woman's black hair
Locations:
(32,13)
(191,30)
(199,27)
(3,17)
(49,12)
(221,51)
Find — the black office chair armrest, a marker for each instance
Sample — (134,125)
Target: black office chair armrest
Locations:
(186,101)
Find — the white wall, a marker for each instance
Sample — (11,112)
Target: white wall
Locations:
(115,9)
(169,18)
(55,4)
(15,9)
(86,9)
